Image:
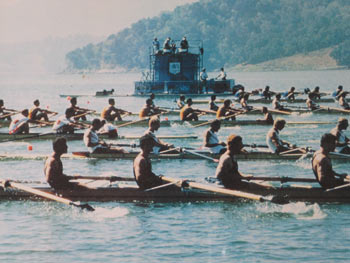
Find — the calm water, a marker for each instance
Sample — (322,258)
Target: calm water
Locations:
(169,232)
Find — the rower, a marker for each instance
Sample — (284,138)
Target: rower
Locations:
(227,169)
(342,142)
(53,169)
(337,92)
(273,141)
(147,109)
(212,104)
(322,164)
(3,112)
(342,100)
(77,110)
(110,113)
(19,124)
(94,144)
(290,95)
(36,113)
(310,103)
(64,124)
(159,146)
(225,110)
(316,93)
(142,166)
(155,109)
(267,93)
(244,102)
(276,103)
(181,102)
(268,119)
(211,140)
(239,93)
(108,129)
(187,113)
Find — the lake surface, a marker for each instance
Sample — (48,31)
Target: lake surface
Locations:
(169,232)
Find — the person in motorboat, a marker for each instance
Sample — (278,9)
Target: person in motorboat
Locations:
(222,75)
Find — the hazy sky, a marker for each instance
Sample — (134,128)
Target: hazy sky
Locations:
(27,20)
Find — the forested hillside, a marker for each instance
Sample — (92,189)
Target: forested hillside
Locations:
(233,32)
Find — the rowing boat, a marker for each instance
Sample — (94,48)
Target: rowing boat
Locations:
(167,123)
(131,193)
(79,136)
(250,155)
(266,101)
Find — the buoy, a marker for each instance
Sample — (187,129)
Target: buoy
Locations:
(166,118)
(88,102)
(30,147)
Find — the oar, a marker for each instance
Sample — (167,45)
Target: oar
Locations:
(335,109)
(200,155)
(47,195)
(229,192)
(293,150)
(132,145)
(132,122)
(161,186)
(283,179)
(224,117)
(7,115)
(338,187)
(256,145)
(106,178)
(277,111)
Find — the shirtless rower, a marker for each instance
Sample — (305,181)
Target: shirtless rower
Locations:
(181,102)
(276,103)
(211,140)
(310,103)
(275,144)
(20,124)
(159,146)
(267,93)
(322,164)
(268,119)
(244,102)
(225,110)
(147,110)
(77,110)
(187,113)
(212,104)
(342,142)
(227,169)
(3,113)
(342,100)
(110,113)
(36,113)
(94,144)
(338,91)
(290,95)
(142,166)
(64,124)
(53,169)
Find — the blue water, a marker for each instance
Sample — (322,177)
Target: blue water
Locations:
(169,232)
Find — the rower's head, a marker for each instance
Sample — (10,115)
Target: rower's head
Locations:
(267,88)
(234,143)
(328,141)
(69,113)
(278,96)
(317,89)
(146,143)
(189,102)
(213,97)
(246,96)
(149,102)
(222,69)
(154,123)
(292,89)
(182,97)
(1,103)
(73,101)
(203,69)
(227,103)
(215,125)
(279,124)
(25,112)
(96,124)
(103,122)
(264,109)
(111,102)
(59,145)
(340,87)
(36,103)
(343,123)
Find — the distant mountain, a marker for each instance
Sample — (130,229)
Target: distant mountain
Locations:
(233,32)
(47,55)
